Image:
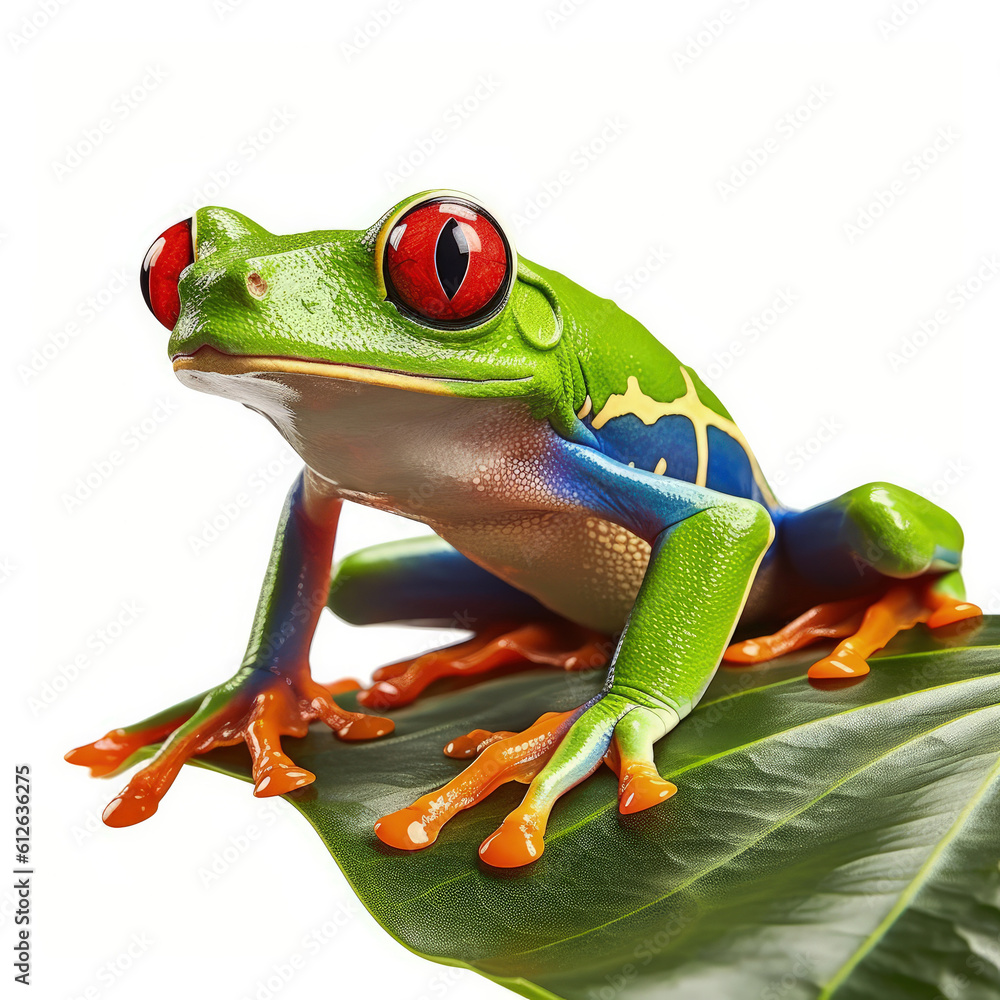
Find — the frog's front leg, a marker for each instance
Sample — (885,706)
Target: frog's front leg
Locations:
(271,695)
(706,547)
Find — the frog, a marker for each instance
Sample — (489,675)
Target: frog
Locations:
(592,505)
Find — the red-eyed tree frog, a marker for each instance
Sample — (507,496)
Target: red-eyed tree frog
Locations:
(592,503)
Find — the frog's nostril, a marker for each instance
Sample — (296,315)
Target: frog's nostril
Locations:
(256,285)
(170,253)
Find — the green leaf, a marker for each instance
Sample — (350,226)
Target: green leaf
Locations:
(826,841)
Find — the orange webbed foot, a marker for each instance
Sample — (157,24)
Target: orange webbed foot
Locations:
(864,625)
(258,708)
(515,757)
(554,643)
(558,752)
(825,621)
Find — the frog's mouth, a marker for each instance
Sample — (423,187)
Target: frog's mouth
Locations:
(208,359)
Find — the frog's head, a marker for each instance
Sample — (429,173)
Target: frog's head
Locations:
(432,298)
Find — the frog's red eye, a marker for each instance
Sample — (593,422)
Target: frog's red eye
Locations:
(447,262)
(161,269)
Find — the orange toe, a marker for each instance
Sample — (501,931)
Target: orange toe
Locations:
(517,842)
(843,663)
(405,830)
(366,727)
(279,781)
(107,754)
(389,671)
(381,695)
(951,612)
(744,652)
(128,809)
(340,687)
(641,791)
(474,743)
(103,756)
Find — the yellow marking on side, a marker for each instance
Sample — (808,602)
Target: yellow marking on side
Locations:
(661,467)
(586,408)
(649,410)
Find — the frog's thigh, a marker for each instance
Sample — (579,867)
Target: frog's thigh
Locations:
(875,530)
(423,581)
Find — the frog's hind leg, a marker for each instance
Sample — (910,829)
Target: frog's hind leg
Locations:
(424,581)
(898,547)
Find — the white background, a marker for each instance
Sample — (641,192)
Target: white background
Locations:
(356,118)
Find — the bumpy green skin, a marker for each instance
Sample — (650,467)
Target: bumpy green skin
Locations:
(553,347)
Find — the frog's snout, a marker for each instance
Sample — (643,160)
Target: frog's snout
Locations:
(170,253)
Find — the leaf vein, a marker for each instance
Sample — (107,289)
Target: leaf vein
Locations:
(912,887)
(771,829)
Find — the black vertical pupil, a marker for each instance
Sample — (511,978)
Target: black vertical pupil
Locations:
(451,257)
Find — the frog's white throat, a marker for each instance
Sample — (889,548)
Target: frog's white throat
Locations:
(479,471)
(376,434)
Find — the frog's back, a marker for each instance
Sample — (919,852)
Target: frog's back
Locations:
(643,407)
